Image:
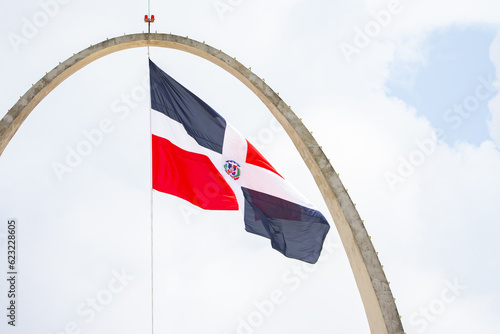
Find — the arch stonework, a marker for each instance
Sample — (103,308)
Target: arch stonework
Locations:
(378,301)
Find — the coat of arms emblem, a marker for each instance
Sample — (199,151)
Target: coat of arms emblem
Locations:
(232,169)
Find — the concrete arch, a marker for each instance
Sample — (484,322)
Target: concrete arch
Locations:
(380,308)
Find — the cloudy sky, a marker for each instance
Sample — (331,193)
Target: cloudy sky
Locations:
(402,96)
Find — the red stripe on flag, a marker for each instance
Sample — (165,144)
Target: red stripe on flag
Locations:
(254,157)
(190,176)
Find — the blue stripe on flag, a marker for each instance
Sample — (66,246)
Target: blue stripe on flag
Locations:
(201,122)
(295,231)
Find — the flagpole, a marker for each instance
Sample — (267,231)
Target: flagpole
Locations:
(151,211)
(152,280)
(151,189)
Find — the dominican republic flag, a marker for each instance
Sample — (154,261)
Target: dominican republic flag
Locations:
(201,158)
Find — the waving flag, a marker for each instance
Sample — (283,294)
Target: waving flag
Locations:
(201,158)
